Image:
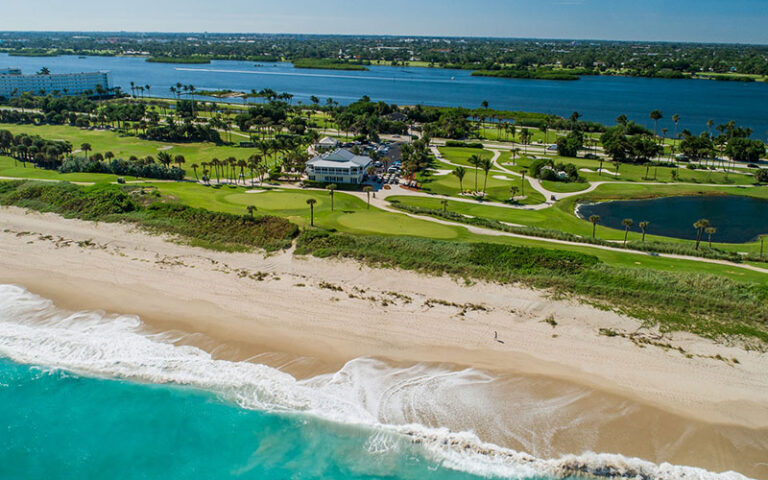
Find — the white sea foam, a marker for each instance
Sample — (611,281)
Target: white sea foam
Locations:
(365,392)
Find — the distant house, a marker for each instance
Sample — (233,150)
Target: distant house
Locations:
(327,143)
(338,166)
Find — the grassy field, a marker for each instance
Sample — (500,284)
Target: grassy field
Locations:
(498,183)
(637,173)
(351,216)
(9,168)
(124,146)
(460,155)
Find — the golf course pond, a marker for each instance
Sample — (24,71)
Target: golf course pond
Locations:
(738,219)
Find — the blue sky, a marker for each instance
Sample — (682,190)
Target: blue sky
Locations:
(741,21)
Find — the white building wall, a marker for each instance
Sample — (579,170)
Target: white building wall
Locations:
(72,83)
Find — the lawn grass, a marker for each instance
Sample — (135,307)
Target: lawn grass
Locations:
(460,155)
(564,187)
(637,173)
(497,190)
(124,146)
(352,216)
(9,168)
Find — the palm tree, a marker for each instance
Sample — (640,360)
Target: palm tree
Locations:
(368,189)
(525,139)
(311,202)
(486,165)
(164,158)
(444,203)
(251,209)
(676,119)
(627,222)
(700,225)
(711,231)
(656,115)
(215,164)
(515,152)
(475,161)
(459,172)
(513,192)
(179,160)
(522,184)
(331,189)
(194,169)
(595,219)
(86,147)
(644,227)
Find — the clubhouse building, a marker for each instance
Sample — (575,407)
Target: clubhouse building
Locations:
(338,166)
(14,83)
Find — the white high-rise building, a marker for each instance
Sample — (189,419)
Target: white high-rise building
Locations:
(12,82)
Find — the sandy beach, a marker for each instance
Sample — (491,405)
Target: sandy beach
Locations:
(555,374)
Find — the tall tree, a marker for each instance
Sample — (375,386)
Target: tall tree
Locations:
(676,120)
(368,189)
(459,172)
(644,227)
(486,165)
(475,161)
(711,231)
(700,225)
(595,219)
(86,147)
(656,115)
(331,189)
(311,202)
(627,222)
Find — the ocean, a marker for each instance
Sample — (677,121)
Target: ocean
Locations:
(86,395)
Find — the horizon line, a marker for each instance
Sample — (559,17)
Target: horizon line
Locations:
(386,35)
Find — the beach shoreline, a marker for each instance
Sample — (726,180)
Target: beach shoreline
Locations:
(308,316)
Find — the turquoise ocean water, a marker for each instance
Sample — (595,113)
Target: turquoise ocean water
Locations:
(92,396)
(62,426)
